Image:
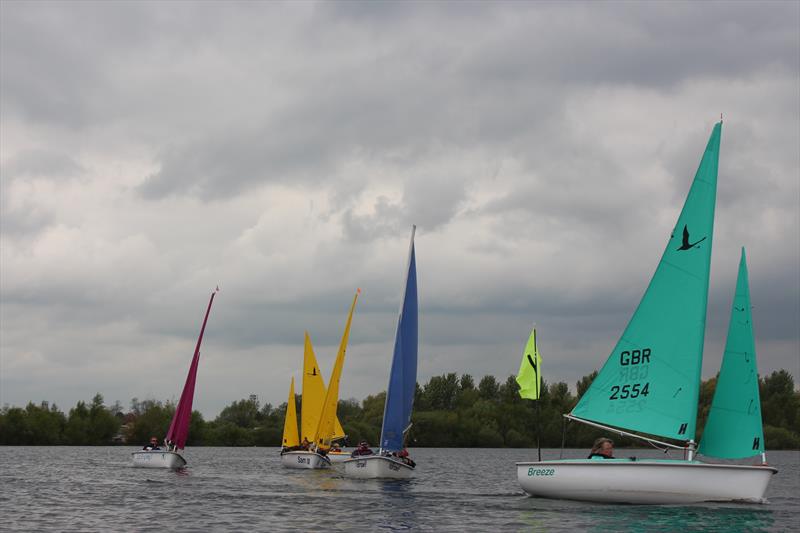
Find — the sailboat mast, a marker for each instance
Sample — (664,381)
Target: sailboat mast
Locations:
(397,327)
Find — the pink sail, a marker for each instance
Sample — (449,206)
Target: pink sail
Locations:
(179,428)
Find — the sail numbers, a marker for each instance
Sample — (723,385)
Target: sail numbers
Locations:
(629,391)
(634,357)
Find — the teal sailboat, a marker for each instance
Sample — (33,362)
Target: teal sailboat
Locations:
(649,385)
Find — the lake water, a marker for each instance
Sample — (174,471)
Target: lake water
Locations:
(246,489)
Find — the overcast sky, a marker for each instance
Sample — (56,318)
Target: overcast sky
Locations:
(152,150)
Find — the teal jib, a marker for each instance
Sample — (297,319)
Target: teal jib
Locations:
(734,429)
(650,382)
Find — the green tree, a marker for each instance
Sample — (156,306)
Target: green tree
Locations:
(488,388)
(76,431)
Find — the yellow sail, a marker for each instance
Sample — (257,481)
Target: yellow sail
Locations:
(290,423)
(313,396)
(325,431)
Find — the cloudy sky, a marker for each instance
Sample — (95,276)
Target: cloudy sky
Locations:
(152,150)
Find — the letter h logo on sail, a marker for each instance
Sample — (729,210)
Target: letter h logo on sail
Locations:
(756,443)
(682,430)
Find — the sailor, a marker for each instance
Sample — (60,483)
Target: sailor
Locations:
(603,449)
(363,449)
(152,445)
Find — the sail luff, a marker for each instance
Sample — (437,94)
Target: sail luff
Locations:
(650,382)
(179,427)
(326,427)
(734,429)
(403,374)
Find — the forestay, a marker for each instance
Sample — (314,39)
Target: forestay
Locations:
(650,382)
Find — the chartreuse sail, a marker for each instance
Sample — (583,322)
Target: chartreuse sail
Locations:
(529,376)
(327,420)
(290,437)
(734,429)
(313,396)
(650,382)
(403,374)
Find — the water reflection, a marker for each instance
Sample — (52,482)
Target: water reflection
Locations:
(609,517)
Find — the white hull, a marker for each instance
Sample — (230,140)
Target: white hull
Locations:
(339,458)
(377,466)
(304,460)
(158,459)
(644,482)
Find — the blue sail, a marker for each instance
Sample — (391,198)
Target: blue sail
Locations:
(403,376)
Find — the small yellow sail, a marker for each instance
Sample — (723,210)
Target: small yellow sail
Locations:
(313,396)
(325,431)
(290,437)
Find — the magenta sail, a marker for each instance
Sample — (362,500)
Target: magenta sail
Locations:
(179,428)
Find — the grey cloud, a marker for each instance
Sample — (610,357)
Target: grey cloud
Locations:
(284,150)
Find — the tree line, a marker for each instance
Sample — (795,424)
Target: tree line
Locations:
(449,411)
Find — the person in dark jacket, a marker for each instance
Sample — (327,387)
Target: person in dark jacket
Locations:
(363,449)
(152,445)
(603,449)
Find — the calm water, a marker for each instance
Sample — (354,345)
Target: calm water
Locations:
(96,489)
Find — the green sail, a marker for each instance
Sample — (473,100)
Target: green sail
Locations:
(651,380)
(734,429)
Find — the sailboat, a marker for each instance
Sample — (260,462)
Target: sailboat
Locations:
(392,459)
(175,441)
(649,386)
(319,423)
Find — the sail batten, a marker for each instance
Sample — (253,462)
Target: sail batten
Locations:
(179,427)
(403,373)
(650,382)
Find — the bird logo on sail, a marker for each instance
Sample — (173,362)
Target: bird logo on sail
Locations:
(686,245)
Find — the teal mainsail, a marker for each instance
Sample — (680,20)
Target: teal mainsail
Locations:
(734,429)
(650,382)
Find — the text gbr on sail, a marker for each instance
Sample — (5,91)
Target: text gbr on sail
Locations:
(634,357)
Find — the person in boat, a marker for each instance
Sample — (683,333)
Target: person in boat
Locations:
(403,456)
(603,449)
(335,448)
(152,445)
(362,449)
(305,445)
